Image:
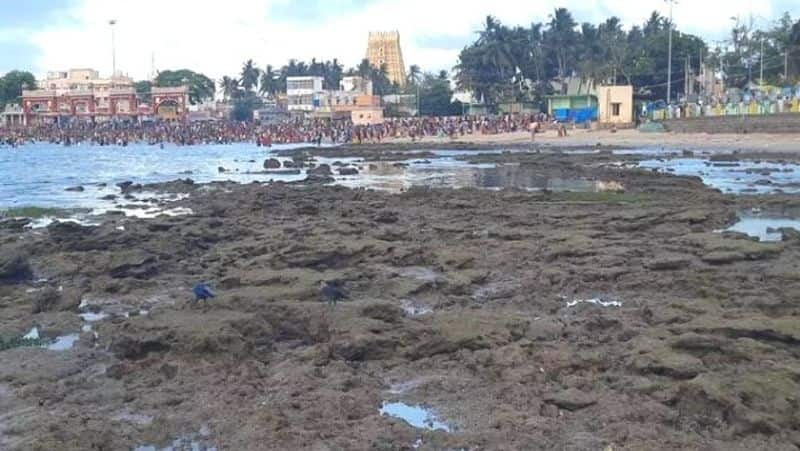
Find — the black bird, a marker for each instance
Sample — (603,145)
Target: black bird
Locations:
(332,293)
(202,292)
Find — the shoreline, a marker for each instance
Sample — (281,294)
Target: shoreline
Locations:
(597,139)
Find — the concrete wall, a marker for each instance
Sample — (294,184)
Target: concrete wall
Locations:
(607,96)
(776,123)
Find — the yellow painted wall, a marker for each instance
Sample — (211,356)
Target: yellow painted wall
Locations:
(609,95)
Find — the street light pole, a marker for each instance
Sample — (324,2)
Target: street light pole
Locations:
(113,22)
(669,55)
(761,75)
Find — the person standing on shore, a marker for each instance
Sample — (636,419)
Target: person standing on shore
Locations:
(533,127)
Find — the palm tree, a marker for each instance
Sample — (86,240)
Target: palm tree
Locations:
(365,69)
(414,74)
(250,75)
(562,38)
(269,81)
(229,86)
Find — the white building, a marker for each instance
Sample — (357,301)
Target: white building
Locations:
(356,84)
(304,94)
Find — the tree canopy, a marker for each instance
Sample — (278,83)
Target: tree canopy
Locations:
(12,84)
(201,88)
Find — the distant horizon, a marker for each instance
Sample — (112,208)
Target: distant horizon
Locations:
(215,41)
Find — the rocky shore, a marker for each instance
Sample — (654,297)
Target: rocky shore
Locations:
(612,319)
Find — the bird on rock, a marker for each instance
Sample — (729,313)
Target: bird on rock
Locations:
(332,293)
(202,292)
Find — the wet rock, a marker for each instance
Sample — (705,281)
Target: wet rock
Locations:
(365,348)
(290,164)
(109,197)
(14,267)
(14,224)
(670,262)
(45,300)
(76,189)
(272,163)
(168,371)
(230,283)
(308,210)
(789,234)
(348,171)
(222,169)
(385,312)
(387,217)
(723,257)
(137,265)
(663,361)
(124,185)
(321,170)
(571,399)
(133,348)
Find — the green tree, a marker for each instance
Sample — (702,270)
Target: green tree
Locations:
(201,88)
(270,83)
(230,88)
(414,75)
(244,105)
(561,41)
(436,97)
(13,83)
(143,90)
(250,75)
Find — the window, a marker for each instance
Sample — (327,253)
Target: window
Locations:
(615,109)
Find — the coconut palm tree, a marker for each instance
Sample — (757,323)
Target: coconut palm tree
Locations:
(229,87)
(414,75)
(269,81)
(250,75)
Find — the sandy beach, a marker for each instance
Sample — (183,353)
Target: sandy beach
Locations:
(782,143)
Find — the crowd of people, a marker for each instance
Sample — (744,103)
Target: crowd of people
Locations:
(316,131)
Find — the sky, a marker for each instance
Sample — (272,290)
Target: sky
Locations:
(216,37)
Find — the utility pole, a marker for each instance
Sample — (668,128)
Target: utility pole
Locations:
(686,79)
(113,22)
(669,55)
(761,76)
(786,65)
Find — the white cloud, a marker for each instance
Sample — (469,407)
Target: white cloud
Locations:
(215,38)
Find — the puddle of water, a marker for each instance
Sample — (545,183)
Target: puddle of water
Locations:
(412,308)
(134,418)
(740,177)
(64,342)
(32,335)
(758,227)
(91,317)
(150,213)
(40,223)
(416,416)
(450,172)
(594,301)
(181,444)
(419,272)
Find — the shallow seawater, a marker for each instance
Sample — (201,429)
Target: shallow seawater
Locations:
(416,416)
(413,308)
(64,342)
(598,302)
(177,445)
(449,172)
(39,174)
(736,177)
(760,227)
